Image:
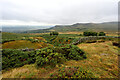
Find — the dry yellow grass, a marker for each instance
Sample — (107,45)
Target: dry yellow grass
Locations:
(28,71)
(37,33)
(70,32)
(102,59)
(111,33)
(39,38)
(19,44)
(21,72)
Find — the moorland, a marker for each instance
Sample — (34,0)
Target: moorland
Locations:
(49,53)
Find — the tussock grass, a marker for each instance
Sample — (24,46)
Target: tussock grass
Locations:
(28,71)
(102,59)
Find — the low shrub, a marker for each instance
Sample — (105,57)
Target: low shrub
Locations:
(80,34)
(101,34)
(71,52)
(57,55)
(90,33)
(58,41)
(72,72)
(47,56)
(116,44)
(54,33)
(12,58)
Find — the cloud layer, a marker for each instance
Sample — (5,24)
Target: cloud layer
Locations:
(57,11)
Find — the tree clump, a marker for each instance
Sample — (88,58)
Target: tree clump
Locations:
(102,34)
(94,34)
(90,33)
(53,33)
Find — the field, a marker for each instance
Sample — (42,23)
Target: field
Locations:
(54,55)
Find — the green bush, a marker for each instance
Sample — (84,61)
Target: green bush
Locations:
(57,55)
(47,56)
(71,52)
(116,44)
(58,41)
(102,34)
(80,35)
(72,72)
(90,33)
(12,58)
(54,33)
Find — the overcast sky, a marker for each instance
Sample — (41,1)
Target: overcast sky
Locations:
(52,12)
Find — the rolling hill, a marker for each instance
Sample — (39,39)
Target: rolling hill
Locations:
(80,27)
(110,26)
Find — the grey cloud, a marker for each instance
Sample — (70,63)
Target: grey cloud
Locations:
(61,13)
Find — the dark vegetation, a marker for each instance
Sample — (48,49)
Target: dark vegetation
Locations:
(90,33)
(54,55)
(54,33)
(47,57)
(12,58)
(116,44)
(43,57)
(94,33)
(61,39)
(102,34)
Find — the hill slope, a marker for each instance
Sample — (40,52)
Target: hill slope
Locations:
(107,27)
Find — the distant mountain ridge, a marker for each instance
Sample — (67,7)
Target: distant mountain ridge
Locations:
(106,26)
(21,28)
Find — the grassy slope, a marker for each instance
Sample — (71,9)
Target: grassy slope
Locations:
(11,36)
(102,59)
(15,36)
(21,44)
(106,27)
